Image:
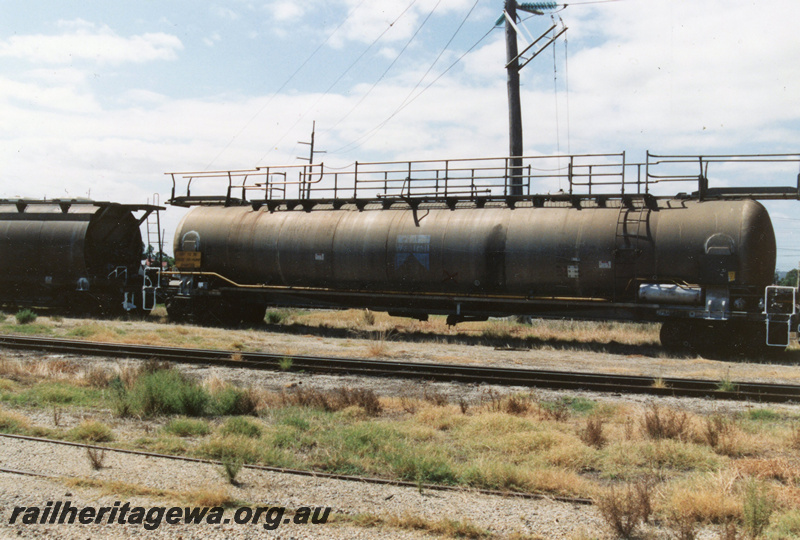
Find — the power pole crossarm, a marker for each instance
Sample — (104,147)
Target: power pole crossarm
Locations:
(311,153)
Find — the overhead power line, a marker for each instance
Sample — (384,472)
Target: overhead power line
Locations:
(339,78)
(409,99)
(396,58)
(286,82)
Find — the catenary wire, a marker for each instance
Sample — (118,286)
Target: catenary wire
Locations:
(391,65)
(439,56)
(361,140)
(285,83)
(339,78)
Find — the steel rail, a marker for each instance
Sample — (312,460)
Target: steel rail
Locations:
(298,472)
(559,380)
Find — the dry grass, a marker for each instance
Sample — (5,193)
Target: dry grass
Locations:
(215,384)
(205,496)
(91,431)
(664,423)
(96,457)
(330,400)
(659,383)
(445,527)
(356,320)
(710,498)
(625,508)
(794,436)
(13,422)
(592,433)
(724,436)
(378,346)
(58,369)
(784,470)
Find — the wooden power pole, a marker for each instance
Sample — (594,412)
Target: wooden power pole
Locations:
(515,148)
(513,67)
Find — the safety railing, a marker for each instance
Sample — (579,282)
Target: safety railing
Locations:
(581,175)
(694,171)
(430,179)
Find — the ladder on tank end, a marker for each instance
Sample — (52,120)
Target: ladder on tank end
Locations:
(151,275)
(631,234)
(780,309)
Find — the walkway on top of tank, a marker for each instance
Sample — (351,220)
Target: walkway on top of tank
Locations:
(537,180)
(9,207)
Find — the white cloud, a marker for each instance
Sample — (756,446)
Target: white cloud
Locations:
(213,39)
(87,41)
(225,13)
(23,98)
(286,10)
(368,20)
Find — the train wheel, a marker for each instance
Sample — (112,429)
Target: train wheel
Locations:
(717,339)
(677,335)
(253,314)
(225,313)
(86,305)
(178,310)
(137,314)
(702,337)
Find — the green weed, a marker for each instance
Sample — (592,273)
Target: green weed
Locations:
(187,427)
(239,425)
(25,316)
(759,504)
(91,431)
(167,392)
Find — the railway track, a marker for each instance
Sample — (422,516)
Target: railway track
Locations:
(283,470)
(557,380)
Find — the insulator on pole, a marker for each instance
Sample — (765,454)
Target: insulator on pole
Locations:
(537,8)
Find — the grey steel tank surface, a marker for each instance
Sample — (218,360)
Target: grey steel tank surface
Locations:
(584,252)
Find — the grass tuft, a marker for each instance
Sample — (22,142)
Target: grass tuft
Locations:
(663,423)
(758,506)
(234,401)
(91,431)
(592,433)
(448,528)
(25,316)
(334,400)
(285,363)
(275,316)
(625,508)
(187,427)
(231,466)
(96,457)
(239,425)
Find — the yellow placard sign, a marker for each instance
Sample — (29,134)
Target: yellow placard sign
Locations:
(188,260)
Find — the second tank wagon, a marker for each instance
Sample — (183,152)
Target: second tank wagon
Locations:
(419,238)
(74,254)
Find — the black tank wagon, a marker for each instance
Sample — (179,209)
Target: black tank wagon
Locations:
(79,255)
(419,238)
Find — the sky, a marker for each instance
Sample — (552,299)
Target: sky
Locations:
(99,99)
